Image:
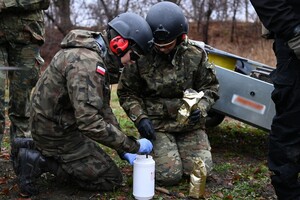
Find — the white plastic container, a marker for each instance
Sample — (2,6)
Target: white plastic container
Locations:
(143,177)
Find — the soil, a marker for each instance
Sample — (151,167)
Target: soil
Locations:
(50,188)
(233,144)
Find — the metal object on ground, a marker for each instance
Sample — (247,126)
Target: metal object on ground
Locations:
(245,88)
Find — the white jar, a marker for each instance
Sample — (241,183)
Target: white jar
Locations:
(143,177)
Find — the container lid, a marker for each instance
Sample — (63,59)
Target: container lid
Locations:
(141,157)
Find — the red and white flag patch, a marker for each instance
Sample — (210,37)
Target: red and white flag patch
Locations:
(100,70)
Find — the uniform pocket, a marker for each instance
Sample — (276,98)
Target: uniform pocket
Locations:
(283,77)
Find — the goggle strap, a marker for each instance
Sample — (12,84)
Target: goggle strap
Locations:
(165,44)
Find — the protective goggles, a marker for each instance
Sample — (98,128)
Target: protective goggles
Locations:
(134,54)
(165,45)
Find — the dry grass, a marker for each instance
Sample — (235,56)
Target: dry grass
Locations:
(246,41)
(260,51)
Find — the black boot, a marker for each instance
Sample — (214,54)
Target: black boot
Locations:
(31,165)
(16,144)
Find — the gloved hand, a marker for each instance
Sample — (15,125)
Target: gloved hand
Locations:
(294,44)
(195,116)
(145,146)
(146,129)
(130,157)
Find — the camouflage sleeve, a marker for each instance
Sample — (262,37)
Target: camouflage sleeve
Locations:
(129,88)
(87,92)
(207,82)
(30,5)
(109,117)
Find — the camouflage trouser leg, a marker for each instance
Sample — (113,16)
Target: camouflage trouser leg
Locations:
(193,145)
(96,171)
(22,81)
(168,165)
(3,62)
(2,105)
(174,155)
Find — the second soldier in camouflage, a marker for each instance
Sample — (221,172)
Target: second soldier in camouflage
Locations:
(151,92)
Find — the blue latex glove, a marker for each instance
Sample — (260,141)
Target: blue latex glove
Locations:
(195,116)
(130,157)
(146,129)
(145,146)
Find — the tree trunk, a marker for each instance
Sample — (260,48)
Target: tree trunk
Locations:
(63,13)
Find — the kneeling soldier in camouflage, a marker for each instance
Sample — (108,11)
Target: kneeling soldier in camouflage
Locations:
(71,114)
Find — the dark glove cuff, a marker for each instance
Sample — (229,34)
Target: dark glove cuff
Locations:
(121,154)
(137,121)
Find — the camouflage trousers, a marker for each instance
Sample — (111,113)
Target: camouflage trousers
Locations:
(20,82)
(175,153)
(94,171)
(2,104)
(80,159)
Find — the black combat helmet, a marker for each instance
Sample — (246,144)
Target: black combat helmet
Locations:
(167,21)
(131,26)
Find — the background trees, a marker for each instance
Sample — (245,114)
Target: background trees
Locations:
(211,21)
(68,14)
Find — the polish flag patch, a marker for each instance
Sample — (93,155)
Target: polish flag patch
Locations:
(100,70)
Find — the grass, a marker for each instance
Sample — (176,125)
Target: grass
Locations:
(126,124)
(239,155)
(239,151)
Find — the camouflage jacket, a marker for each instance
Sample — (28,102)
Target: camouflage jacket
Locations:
(72,99)
(154,86)
(22,21)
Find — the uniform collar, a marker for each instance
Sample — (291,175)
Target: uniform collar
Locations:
(100,42)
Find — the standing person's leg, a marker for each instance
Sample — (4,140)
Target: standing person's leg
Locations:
(192,146)
(284,139)
(26,57)
(3,62)
(2,105)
